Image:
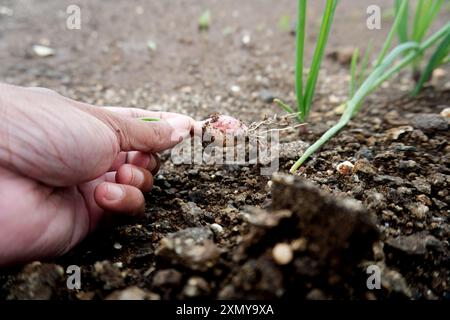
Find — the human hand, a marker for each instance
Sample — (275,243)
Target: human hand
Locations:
(65,165)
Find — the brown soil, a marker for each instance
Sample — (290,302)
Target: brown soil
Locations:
(221,248)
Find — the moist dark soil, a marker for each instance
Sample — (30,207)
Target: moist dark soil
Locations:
(227,231)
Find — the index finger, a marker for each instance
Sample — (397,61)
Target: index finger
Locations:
(142,113)
(196,126)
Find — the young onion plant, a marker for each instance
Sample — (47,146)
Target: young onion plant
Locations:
(426,12)
(439,57)
(386,66)
(305,92)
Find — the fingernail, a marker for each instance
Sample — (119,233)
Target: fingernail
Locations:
(114,192)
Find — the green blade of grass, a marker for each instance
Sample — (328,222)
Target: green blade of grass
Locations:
(428,17)
(402,29)
(426,13)
(150,119)
(418,20)
(205,20)
(284,106)
(387,44)
(353,78)
(284,23)
(445,61)
(436,59)
(364,63)
(325,28)
(300,48)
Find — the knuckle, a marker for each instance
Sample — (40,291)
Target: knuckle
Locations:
(120,129)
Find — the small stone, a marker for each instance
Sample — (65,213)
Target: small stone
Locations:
(439,73)
(424,199)
(407,165)
(196,287)
(133,293)
(186,89)
(316,294)
(334,99)
(266,96)
(364,166)
(37,281)
(364,153)
(292,150)
(246,39)
(422,185)
(389,179)
(343,55)
(299,244)
(417,135)
(395,133)
(205,176)
(43,51)
(117,246)
(151,45)
(191,248)
(402,148)
(438,180)
(235,89)
(167,278)
(216,228)
(378,252)
(190,212)
(375,200)
(419,210)
(5,11)
(440,204)
(139,10)
(446,113)
(282,253)
(240,198)
(85,295)
(340,109)
(415,244)
(193,172)
(110,275)
(262,218)
(208,217)
(345,168)
(196,196)
(430,123)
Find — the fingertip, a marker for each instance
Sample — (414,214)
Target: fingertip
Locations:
(109,192)
(134,176)
(139,159)
(118,198)
(155,164)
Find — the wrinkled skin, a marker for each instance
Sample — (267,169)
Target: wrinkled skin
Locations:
(66,165)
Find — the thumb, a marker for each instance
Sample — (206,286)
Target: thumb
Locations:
(137,135)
